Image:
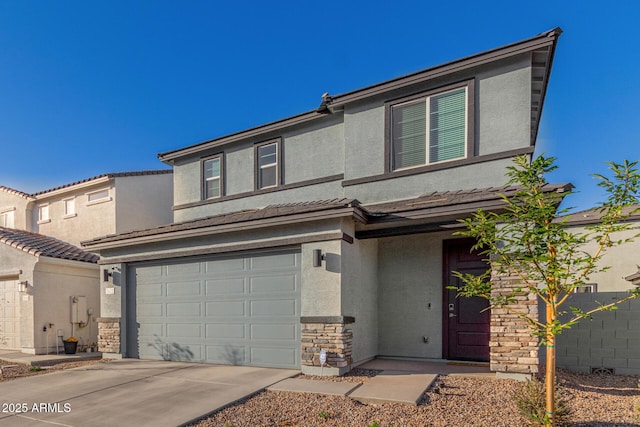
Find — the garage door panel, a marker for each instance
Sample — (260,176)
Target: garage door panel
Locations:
(226,331)
(266,331)
(227,354)
(149,271)
(150,310)
(270,284)
(225,286)
(225,266)
(271,262)
(242,310)
(181,309)
(285,307)
(225,308)
(185,330)
(183,268)
(151,329)
(150,290)
(177,289)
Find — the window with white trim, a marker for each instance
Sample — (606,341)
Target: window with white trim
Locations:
(212,177)
(97,196)
(69,206)
(267,165)
(428,130)
(43,213)
(7,219)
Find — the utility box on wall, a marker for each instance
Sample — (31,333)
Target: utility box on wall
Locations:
(78,309)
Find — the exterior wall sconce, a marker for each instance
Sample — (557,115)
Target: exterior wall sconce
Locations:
(106,274)
(23,286)
(318,257)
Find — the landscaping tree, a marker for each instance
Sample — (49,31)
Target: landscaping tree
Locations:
(529,241)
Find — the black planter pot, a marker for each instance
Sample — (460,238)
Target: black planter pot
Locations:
(70,347)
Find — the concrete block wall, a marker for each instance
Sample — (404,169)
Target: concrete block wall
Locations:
(610,340)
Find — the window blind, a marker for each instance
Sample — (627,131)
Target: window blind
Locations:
(447,126)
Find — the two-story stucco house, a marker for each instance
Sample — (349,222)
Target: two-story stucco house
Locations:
(49,287)
(332,229)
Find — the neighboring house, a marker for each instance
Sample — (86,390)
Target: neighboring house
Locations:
(106,204)
(41,229)
(334,229)
(42,281)
(622,260)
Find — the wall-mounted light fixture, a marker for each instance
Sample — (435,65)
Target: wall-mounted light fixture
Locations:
(318,257)
(23,286)
(106,274)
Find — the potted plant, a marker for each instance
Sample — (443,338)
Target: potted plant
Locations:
(70,345)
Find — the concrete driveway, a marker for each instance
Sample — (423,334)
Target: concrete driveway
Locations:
(130,392)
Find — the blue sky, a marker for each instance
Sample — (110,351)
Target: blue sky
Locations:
(94,87)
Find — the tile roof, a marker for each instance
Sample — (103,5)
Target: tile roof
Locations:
(452,198)
(271,211)
(108,175)
(437,204)
(15,192)
(39,245)
(593,215)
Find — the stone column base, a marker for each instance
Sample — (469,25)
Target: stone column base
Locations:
(109,335)
(331,334)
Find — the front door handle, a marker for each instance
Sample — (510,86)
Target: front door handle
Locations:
(452,315)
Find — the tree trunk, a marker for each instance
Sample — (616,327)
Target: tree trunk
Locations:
(550,368)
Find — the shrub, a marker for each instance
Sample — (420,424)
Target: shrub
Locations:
(530,400)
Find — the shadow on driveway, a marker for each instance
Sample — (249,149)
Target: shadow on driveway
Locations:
(130,392)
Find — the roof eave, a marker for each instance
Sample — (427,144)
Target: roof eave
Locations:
(119,241)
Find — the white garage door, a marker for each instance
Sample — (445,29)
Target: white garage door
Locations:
(9,314)
(240,310)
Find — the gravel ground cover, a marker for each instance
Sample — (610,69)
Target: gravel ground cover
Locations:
(454,401)
(11,371)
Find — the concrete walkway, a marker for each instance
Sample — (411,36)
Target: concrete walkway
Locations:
(131,392)
(13,356)
(400,381)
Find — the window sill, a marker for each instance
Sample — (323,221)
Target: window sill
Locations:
(97,202)
(73,215)
(44,221)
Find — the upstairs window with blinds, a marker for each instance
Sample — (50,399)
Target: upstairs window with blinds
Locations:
(212,177)
(267,165)
(429,130)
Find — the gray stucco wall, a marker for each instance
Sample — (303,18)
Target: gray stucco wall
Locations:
(353,143)
(410,278)
(360,295)
(479,175)
(321,285)
(502,122)
(610,340)
(143,201)
(326,191)
(310,152)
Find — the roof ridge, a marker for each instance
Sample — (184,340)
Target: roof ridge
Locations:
(109,175)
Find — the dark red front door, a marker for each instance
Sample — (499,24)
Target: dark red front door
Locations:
(466,325)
